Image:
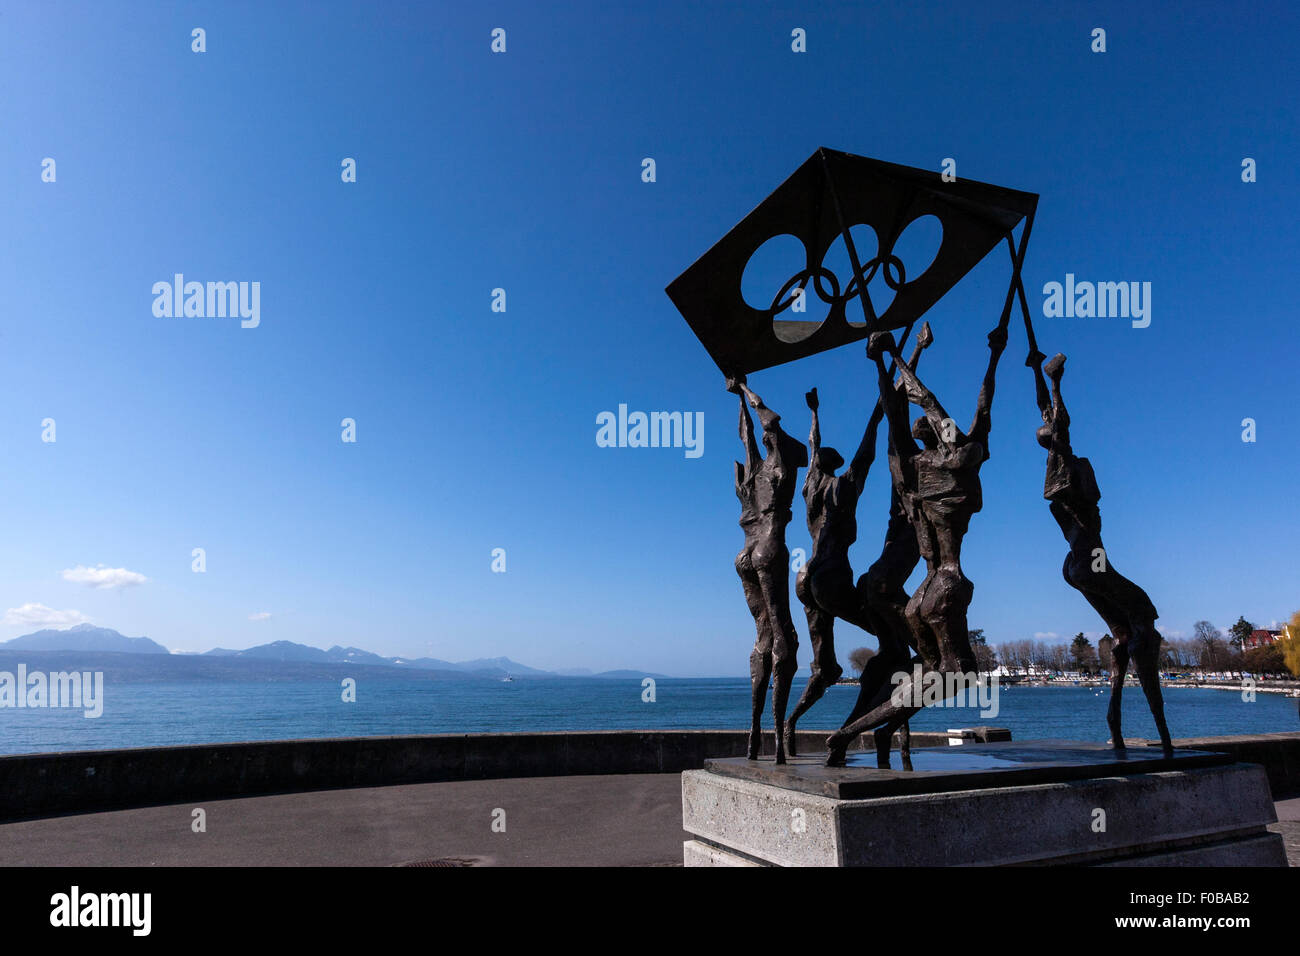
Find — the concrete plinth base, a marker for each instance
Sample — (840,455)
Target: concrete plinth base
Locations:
(1040,802)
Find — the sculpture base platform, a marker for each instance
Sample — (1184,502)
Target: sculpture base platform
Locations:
(996,804)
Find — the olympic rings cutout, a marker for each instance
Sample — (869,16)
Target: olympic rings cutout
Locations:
(835,298)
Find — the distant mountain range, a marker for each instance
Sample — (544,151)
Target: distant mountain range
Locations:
(83,637)
(90,639)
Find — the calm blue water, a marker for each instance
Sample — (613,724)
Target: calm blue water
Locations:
(152,714)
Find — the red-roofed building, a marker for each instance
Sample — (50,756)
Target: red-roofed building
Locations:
(1260,638)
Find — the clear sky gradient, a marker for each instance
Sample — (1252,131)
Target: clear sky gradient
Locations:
(476,430)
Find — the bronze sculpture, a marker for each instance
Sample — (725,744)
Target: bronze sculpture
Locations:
(939,487)
(935,491)
(883,589)
(825,585)
(1071,487)
(765,486)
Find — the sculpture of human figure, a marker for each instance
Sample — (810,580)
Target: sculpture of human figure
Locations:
(882,590)
(1071,487)
(765,487)
(939,487)
(825,584)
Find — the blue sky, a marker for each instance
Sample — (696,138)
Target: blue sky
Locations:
(476,429)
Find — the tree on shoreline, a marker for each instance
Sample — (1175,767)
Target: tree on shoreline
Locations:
(1239,632)
(986,659)
(1084,654)
(858,659)
(1214,650)
(1015,656)
(1265,660)
(1289,644)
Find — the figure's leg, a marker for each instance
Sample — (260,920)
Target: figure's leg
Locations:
(944,611)
(918,625)
(1108,592)
(875,616)
(803,591)
(760,673)
(918,628)
(760,659)
(775,584)
(1125,606)
(874,680)
(937,616)
(881,592)
(1145,650)
(890,701)
(822,636)
(1119,658)
(884,737)
(825,597)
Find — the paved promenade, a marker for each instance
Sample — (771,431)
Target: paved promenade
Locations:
(614,820)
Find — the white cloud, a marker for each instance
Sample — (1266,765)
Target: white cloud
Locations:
(1045,635)
(103,578)
(39,616)
(259,616)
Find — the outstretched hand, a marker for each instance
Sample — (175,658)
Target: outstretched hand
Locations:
(734,383)
(880,344)
(925,337)
(1056,367)
(811,399)
(998,339)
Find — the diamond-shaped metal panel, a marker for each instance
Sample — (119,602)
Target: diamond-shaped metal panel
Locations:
(824,198)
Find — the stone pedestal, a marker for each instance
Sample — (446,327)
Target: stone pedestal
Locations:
(996,804)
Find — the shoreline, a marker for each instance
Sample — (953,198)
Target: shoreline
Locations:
(1262,686)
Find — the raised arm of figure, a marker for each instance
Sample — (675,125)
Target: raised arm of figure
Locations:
(736,385)
(766,417)
(1055,369)
(752,457)
(893,401)
(1041,396)
(814,432)
(983,422)
(814,440)
(922,397)
(866,453)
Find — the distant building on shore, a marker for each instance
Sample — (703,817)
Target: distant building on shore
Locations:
(1261,638)
(1032,672)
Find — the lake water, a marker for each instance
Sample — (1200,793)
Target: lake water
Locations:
(152,714)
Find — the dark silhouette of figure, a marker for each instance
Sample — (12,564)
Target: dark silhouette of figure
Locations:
(1071,487)
(765,487)
(939,488)
(825,585)
(882,589)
